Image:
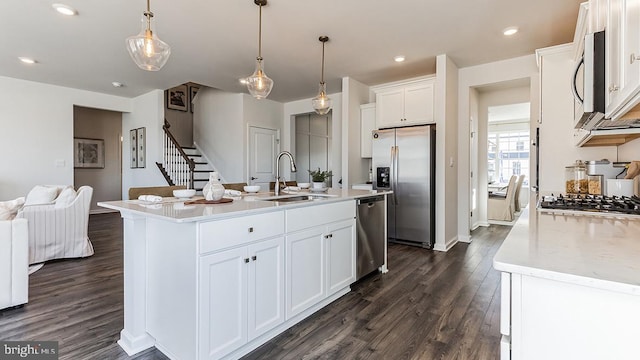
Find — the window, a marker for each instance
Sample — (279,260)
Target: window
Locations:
(508,154)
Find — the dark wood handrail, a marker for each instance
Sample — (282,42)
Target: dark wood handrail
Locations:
(189,161)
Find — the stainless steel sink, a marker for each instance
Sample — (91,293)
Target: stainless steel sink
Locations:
(296,198)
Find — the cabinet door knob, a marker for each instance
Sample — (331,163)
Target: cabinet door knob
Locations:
(254,178)
(326,236)
(246,260)
(633,57)
(251,229)
(254,258)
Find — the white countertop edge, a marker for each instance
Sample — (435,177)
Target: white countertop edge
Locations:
(266,206)
(568,278)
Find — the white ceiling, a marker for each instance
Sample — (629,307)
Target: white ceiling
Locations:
(214,42)
(519,112)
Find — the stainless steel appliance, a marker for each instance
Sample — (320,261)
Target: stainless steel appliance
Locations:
(589,83)
(583,205)
(370,235)
(404,162)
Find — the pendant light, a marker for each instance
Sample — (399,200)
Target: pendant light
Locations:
(259,84)
(322,103)
(146,49)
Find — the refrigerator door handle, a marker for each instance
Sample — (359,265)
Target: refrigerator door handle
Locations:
(394,173)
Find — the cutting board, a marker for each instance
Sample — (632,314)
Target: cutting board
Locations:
(208,202)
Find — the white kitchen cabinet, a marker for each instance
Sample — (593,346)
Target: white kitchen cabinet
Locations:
(622,57)
(340,247)
(241,297)
(367,125)
(321,256)
(571,321)
(405,104)
(305,270)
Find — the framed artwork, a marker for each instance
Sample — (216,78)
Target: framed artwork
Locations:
(133,138)
(177,98)
(193,90)
(141,148)
(88,153)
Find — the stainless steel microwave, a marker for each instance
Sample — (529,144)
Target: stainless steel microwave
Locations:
(589,83)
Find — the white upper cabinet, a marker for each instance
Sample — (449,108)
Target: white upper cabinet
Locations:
(367,125)
(405,104)
(622,57)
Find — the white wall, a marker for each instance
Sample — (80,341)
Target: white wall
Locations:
(37,132)
(355,169)
(221,128)
(477,203)
(148,113)
(293,108)
(556,144)
(446,113)
(470,77)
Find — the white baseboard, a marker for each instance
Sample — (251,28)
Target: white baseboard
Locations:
(101,211)
(449,244)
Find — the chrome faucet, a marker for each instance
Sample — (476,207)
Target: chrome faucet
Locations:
(293,169)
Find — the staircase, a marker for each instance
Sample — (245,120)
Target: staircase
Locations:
(182,165)
(201,170)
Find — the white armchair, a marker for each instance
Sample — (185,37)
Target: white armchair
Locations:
(502,207)
(57,232)
(14,267)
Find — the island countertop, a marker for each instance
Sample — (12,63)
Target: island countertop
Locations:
(589,250)
(174,209)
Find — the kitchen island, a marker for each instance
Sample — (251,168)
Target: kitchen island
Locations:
(570,287)
(217,281)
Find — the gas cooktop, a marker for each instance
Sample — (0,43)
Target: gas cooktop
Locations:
(592,203)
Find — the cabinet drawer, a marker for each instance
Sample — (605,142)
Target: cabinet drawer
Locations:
(216,235)
(306,217)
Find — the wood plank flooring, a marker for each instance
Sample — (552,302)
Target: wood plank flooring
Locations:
(430,305)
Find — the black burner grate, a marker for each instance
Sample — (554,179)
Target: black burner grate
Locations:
(595,203)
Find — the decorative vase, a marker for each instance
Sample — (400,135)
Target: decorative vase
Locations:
(318,185)
(213,190)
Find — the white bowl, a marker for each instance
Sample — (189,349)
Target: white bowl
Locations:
(184,193)
(252,188)
(304,185)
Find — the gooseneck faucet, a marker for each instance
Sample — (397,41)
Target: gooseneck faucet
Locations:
(293,169)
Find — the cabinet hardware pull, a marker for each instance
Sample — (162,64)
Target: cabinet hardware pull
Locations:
(613,88)
(633,58)
(251,229)
(326,236)
(246,260)
(254,258)
(254,178)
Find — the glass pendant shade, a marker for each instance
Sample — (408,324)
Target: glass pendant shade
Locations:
(321,103)
(146,49)
(259,84)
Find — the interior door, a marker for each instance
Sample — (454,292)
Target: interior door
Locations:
(263,148)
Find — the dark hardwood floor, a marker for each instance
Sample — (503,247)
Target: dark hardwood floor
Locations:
(430,305)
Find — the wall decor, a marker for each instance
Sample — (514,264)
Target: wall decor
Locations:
(133,138)
(141,148)
(88,153)
(177,98)
(193,90)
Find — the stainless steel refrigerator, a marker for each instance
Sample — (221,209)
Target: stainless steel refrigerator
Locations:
(404,162)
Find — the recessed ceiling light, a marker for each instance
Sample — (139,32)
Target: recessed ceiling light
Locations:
(27,60)
(65,9)
(511,30)
(117,84)
(399,58)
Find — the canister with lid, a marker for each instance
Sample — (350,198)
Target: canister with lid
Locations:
(576,178)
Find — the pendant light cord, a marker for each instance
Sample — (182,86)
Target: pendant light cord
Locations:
(322,72)
(148,14)
(259,35)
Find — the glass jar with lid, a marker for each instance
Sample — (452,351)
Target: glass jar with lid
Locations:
(576,178)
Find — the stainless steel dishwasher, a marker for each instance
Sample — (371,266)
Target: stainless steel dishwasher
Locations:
(370,234)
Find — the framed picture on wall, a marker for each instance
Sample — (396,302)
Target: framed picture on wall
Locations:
(88,153)
(133,138)
(177,98)
(193,90)
(140,153)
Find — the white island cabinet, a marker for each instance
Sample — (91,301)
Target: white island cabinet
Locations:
(570,288)
(217,281)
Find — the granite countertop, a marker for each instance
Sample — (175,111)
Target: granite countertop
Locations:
(174,209)
(589,250)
